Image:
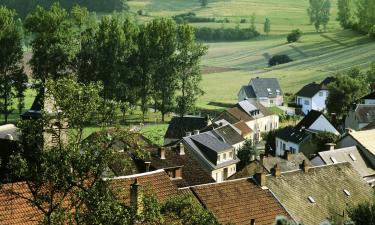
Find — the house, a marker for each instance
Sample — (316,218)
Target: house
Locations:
(368,99)
(365,142)
(313,96)
(183,168)
(179,126)
(301,137)
(351,155)
(257,117)
(240,202)
(215,155)
(266,91)
(17,210)
(288,162)
(313,195)
(360,116)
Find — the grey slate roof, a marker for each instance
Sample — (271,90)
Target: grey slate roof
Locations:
(178,126)
(359,162)
(293,135)
(248,107)
(365,113)
(249,91)
(309,90)
(285,165)
(260,86)
(211,142)
(230,134)
(369,96)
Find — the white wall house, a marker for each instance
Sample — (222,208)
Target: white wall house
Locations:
(312,99)
(266,91)
(290,139)
(360,116)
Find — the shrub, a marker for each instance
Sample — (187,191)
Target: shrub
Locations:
(191,18)
(142,12)
(243,21)
(294,36)
(279,59)
(225,34)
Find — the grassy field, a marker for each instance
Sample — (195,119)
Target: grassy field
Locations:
(315,56)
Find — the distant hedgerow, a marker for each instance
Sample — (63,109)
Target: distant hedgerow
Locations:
(225,34)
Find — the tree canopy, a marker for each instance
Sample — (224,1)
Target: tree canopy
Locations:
(319,12)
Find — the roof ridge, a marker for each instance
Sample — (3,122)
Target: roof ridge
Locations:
(134,175)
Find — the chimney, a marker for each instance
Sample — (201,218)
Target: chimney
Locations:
(136,197)
(147,166)
(252,222)
(303,128)
(162,153)
(276,170)
(182,149)
(178,172)
(261,179)
(330,146)
(188,134)
(208,120)
(261,159)
(196,132)
(288,155)
(304,166)
(348,130)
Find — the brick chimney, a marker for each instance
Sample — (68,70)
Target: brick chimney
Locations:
(305,167)
(330,146)
(178,172)
(261,179)
(162,153)
(147,166)
(136,197)
(182,149)
(252,222)
(288,155)
(276,170)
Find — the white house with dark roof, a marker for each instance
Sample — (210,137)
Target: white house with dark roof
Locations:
(369,99)
(266,91)
(360,116)
(313,96)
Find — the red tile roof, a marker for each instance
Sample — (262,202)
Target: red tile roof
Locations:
(239,201)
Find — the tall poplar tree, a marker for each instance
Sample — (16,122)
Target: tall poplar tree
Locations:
(319,12)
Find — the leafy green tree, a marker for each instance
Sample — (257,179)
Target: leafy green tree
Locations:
(12,77)
(366,16)
(294,36)
(204,3)
(246,153)
(346,13)
(267,26)
(363,213)
(371,73)
(188,69)
(252,21)
(347,88)
(54,45)
(319,12)
(323,138)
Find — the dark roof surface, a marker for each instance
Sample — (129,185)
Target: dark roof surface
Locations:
(179,126)
(249,91)
(326,185)
(309,90)
(369,96)
(192,171)
(211,142)
(266,87)
(309,119)
(239,201)
(365,113)
(35,111)
(285,165)
(293,135)
(327,81)
(229,134)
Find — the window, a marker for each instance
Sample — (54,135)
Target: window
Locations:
(347,193)
(218,158)
(231,155)
(306,102)
(311,199)
(224,156)
(284,147)
(293,150)
(265,127)
(321,93)
(333,159)
(352,157)
(271,102)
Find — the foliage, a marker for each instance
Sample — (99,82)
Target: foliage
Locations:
(23,8)
(319,12)
(252,22)
(294,36)
(325,137)
(204,3)
(281,220)
(270,139)
(267,26)
(12,77)
(345,90)
(191,17)
(225,34)
(346,13)
(279,59)
(246,153)
(363,213)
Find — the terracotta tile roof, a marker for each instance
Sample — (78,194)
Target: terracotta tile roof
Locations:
(155,183)
(14,208)
(241,125)
(239,201)
(239,114)
(192,171)
(326,185)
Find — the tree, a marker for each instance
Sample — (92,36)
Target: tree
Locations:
(363,213)
(346,13)
(246,153)
(12,77)
(279,59)
(371,74)
(188,69)
(204,3)
(319,12)
(345,90)
(252,21)
(54,44)
(366,16)
(267,26)
(294,36)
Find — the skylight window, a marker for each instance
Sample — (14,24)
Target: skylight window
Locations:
(311,199)
(333,159)
(269,89)
(352,157)
(347,193)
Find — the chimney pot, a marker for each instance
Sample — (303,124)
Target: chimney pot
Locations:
(261,179)
(330,146)
(348,130)
(276,170)
(162,152)
(182,149)
(304,166)
(178,172)
(147,166)
(288,155)
(188,134)
(196,132)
